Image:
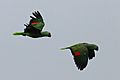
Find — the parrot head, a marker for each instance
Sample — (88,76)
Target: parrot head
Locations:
(91,46)
(46,33)
(95,47)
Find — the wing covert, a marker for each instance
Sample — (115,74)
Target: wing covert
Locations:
(80,55)
(37,21)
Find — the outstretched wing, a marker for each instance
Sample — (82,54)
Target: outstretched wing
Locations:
(37,21)
(80,54)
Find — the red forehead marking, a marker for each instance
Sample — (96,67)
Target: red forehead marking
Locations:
(35,22)
(77,53)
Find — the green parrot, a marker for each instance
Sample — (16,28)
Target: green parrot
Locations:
(81,53)
(34,28)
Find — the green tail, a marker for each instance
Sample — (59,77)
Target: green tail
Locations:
(19,33)
(65,48)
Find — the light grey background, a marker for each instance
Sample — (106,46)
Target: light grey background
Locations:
(70,22)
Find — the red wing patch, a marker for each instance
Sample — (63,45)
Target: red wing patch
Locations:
(35,22)
(77,53)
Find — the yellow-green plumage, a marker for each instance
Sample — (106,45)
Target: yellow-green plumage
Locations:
(34,28)
(81,53)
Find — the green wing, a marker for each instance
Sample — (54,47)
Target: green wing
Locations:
(37,21)
(80,54)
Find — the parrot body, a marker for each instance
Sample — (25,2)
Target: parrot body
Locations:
(34,28)
(81,53)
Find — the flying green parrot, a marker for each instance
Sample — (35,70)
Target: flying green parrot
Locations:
(34,28)
(81,53)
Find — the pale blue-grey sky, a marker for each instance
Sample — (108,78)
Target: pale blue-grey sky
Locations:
(70,22)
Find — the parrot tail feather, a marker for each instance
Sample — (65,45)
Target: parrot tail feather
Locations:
(65,48)
(19,33)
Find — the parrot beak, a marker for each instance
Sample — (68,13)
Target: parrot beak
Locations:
(49,35)
(96,48)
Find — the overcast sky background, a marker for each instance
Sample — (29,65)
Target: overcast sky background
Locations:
(70,22)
